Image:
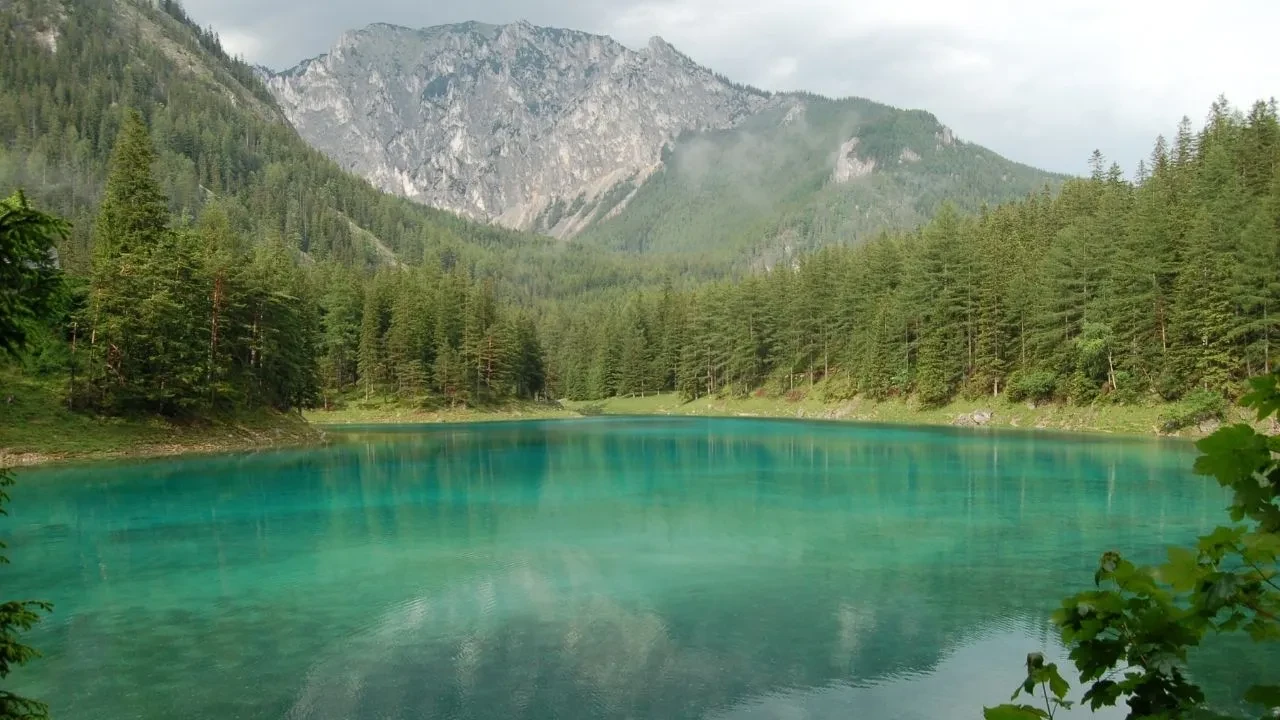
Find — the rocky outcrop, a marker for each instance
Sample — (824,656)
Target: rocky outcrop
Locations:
(977,418)
(848,165)
(525,125)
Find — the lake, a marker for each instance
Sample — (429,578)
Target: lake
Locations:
(594,568)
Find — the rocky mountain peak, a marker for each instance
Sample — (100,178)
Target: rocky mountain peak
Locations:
(508,123)
(658,46)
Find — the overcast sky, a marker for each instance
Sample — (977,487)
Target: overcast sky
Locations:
(1042,82)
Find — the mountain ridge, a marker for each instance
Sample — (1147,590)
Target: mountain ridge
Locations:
(557,130)
(497,122)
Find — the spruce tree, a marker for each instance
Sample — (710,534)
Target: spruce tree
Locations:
(371,359)
(143,313)
(30,281)
(134,215)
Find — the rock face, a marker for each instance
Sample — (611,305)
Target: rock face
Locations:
(849,165)
(525,125)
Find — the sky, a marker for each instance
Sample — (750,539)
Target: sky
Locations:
(1041,82)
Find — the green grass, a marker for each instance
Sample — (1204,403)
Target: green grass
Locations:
(1118,419)
(389,411)
(36,426)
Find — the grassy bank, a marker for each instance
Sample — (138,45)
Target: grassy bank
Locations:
(1116,419)
(390,412)
(36,427)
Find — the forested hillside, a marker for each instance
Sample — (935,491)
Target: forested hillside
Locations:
(807,173)
(215,263)
(197,321)
(1114,290)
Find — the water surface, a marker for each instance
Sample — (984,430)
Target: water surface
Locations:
(601,568)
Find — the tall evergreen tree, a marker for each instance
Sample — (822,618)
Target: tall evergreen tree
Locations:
(134,215)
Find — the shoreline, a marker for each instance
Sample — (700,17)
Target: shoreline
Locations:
(99,440)
(153,442)
(1142,421)
(395,414)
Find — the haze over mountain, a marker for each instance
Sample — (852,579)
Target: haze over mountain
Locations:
(556,130)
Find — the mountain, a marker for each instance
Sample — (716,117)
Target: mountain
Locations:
(564,133)
(667,158)
(70,69)
(808,172)
(502,122)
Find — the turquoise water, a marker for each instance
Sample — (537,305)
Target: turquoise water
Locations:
(601,568)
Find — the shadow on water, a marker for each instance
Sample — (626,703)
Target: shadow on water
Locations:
(602,568)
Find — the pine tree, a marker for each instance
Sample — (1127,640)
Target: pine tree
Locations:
(342,312)
(527,364)
(1256,285)
(29,278)
(223,274)
(406,338)
(145,309)
(1205,311)
(371,362)
(284,330)
(134,214)
(939,305)
(449,370)
(669,320)
(481,349)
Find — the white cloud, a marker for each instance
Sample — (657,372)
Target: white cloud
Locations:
(1043,83)
(782,71)
(241,44)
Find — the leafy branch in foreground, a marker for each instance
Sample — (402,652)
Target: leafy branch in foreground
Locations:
(16,616)
(1130,636)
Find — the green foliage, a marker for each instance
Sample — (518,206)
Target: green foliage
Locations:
(195,320)
(1197,407)
(27,280)
(1033,385)
(29,277)
(1043,678)
(1111,292)
(1129,638)
(188,320)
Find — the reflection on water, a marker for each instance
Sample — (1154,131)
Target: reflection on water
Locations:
(606,568)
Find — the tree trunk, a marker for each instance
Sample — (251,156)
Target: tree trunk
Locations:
(1164,338)
(71,367)
(1266,341)
(213,334)
(1022,342)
